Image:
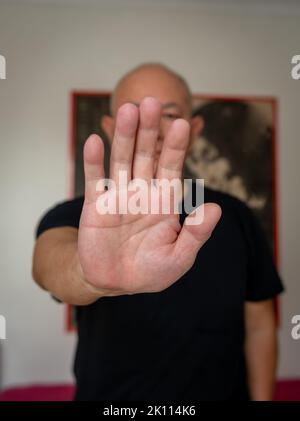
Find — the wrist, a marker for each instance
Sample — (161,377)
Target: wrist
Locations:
(88,292)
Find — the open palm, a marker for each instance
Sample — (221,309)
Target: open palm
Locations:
(133,253)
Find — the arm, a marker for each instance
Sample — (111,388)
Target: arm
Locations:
(261,348)
(56,267)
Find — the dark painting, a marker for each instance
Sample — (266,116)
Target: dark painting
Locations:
(235,152)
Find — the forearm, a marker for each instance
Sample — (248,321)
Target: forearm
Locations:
(261,359)
(56,268)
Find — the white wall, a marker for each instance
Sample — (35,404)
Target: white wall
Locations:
(52,50)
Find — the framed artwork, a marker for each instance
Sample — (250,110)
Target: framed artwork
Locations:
(235,152)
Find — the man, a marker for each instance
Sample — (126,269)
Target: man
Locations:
(162,313)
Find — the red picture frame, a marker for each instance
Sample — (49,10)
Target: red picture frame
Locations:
(69,322)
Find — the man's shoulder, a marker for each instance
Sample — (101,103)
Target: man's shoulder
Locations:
(223,199)
(71,203)
(67,207)
(64,213)
(233,209)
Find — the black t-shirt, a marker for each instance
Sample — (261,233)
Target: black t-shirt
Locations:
(186,342)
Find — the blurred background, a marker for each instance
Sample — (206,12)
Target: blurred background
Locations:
(52,48)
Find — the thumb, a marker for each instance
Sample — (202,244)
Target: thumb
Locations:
(193,235)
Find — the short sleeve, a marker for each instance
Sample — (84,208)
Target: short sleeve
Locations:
(63,214)
(263,280)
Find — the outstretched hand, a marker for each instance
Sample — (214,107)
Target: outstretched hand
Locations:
(126,253)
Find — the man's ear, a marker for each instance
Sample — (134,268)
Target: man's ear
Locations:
(107,124)
(197,125)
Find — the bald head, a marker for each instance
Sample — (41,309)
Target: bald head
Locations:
(166,86)
(156,80)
